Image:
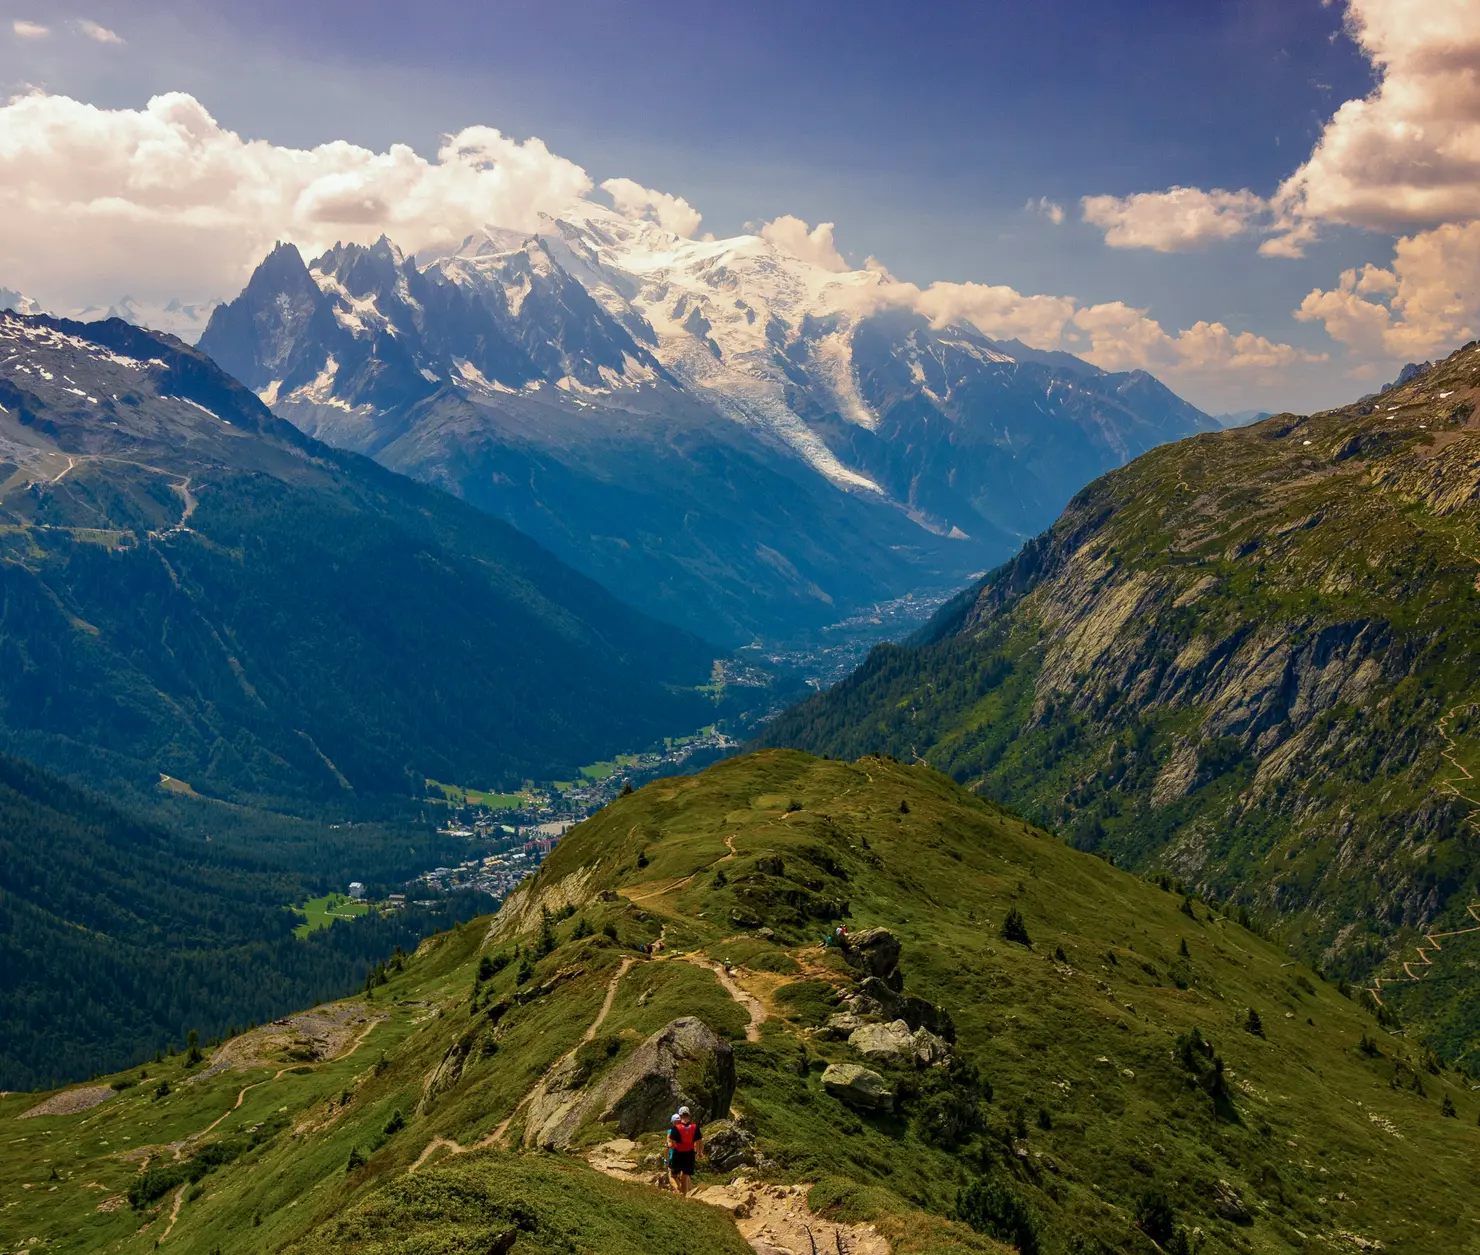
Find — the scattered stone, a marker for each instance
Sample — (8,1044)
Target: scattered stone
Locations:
(857,1087)
(70,1102)
(766,934)
(1229,1205)
(729,1145)
(930,1050)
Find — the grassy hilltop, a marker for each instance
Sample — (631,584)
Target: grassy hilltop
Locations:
(1079,1101)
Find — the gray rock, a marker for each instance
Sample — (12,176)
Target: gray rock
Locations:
(1228,1204)
(930,1050)
(875,951)
(684,1063)
(840,1026)
(729,1145)
(857,1087)
(887,1043)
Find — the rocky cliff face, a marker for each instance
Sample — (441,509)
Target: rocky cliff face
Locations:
(1246,660)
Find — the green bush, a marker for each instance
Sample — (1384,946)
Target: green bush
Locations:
(1015,928)
(992,1207)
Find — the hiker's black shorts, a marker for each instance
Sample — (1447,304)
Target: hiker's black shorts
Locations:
(681,1162)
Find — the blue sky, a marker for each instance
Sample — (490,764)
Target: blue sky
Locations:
(922,132)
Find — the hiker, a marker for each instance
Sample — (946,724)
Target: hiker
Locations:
(685,1141)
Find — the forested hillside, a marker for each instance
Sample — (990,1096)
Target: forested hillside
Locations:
(192,587)
(118,936)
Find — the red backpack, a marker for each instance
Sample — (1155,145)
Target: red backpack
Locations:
(684,1135)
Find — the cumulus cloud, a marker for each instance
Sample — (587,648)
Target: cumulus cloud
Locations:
(1046,208)
(1408,154)
(29,30)
(791,235)
(97,31)
(1427,302)
(1207,356)
(162,200)
(672,213)
(1174,221)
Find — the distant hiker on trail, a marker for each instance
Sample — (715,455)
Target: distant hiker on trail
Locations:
(685,1141)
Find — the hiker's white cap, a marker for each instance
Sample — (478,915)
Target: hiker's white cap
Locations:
(683,1111)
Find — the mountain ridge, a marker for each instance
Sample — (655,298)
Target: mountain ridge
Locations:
(592,380)
(1083,1062)
(1241,659)
(212,594)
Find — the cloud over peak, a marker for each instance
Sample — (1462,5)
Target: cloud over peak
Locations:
(791,235)
(672,213)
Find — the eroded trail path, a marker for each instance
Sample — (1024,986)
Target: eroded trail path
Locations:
(754,1007)
(773,1219)
(1430,943)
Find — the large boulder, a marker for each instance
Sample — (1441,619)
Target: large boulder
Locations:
(841,1025)
(685,1063)
(875,952)
(857,1087)
(884,1043)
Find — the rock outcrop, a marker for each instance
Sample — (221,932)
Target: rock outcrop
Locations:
(685,1063)
(875,951)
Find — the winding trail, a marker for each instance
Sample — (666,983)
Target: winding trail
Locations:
(753,1005)
(1430,943)
(497,1137)
(679,884)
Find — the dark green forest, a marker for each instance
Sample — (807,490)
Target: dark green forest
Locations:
(118,934)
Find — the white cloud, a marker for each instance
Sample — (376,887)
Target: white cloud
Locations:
(672,213)
(791,235)
(1206,357)
(1049,209)
(97,31)
(163,201)
(1174,221)
(30,30)
(1428,301)
(1408,154)
(1404,157)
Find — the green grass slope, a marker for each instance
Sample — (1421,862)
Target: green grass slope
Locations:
(1079,1091)
(1248,660)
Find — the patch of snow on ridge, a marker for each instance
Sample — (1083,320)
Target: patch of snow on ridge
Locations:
(203,410)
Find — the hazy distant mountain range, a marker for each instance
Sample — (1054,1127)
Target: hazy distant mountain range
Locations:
(732,438)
